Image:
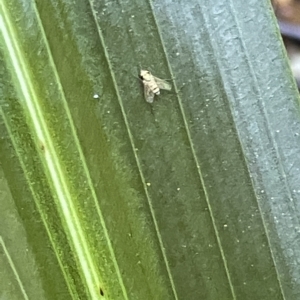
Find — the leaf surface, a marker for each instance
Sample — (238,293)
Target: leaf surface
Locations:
(192,197)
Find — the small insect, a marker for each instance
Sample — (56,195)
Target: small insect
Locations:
(152,85)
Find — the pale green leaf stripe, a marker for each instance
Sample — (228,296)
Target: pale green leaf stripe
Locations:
(63,195)
(33,193)
(12,265)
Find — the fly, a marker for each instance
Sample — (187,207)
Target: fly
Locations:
(152,85)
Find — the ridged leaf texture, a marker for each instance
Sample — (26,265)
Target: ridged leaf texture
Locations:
(105,196)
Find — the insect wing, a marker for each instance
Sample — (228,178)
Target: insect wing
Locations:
(149,95)
(162,84)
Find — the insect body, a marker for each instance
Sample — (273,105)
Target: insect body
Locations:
(152,85)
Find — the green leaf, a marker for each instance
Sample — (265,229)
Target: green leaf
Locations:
(108,197)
